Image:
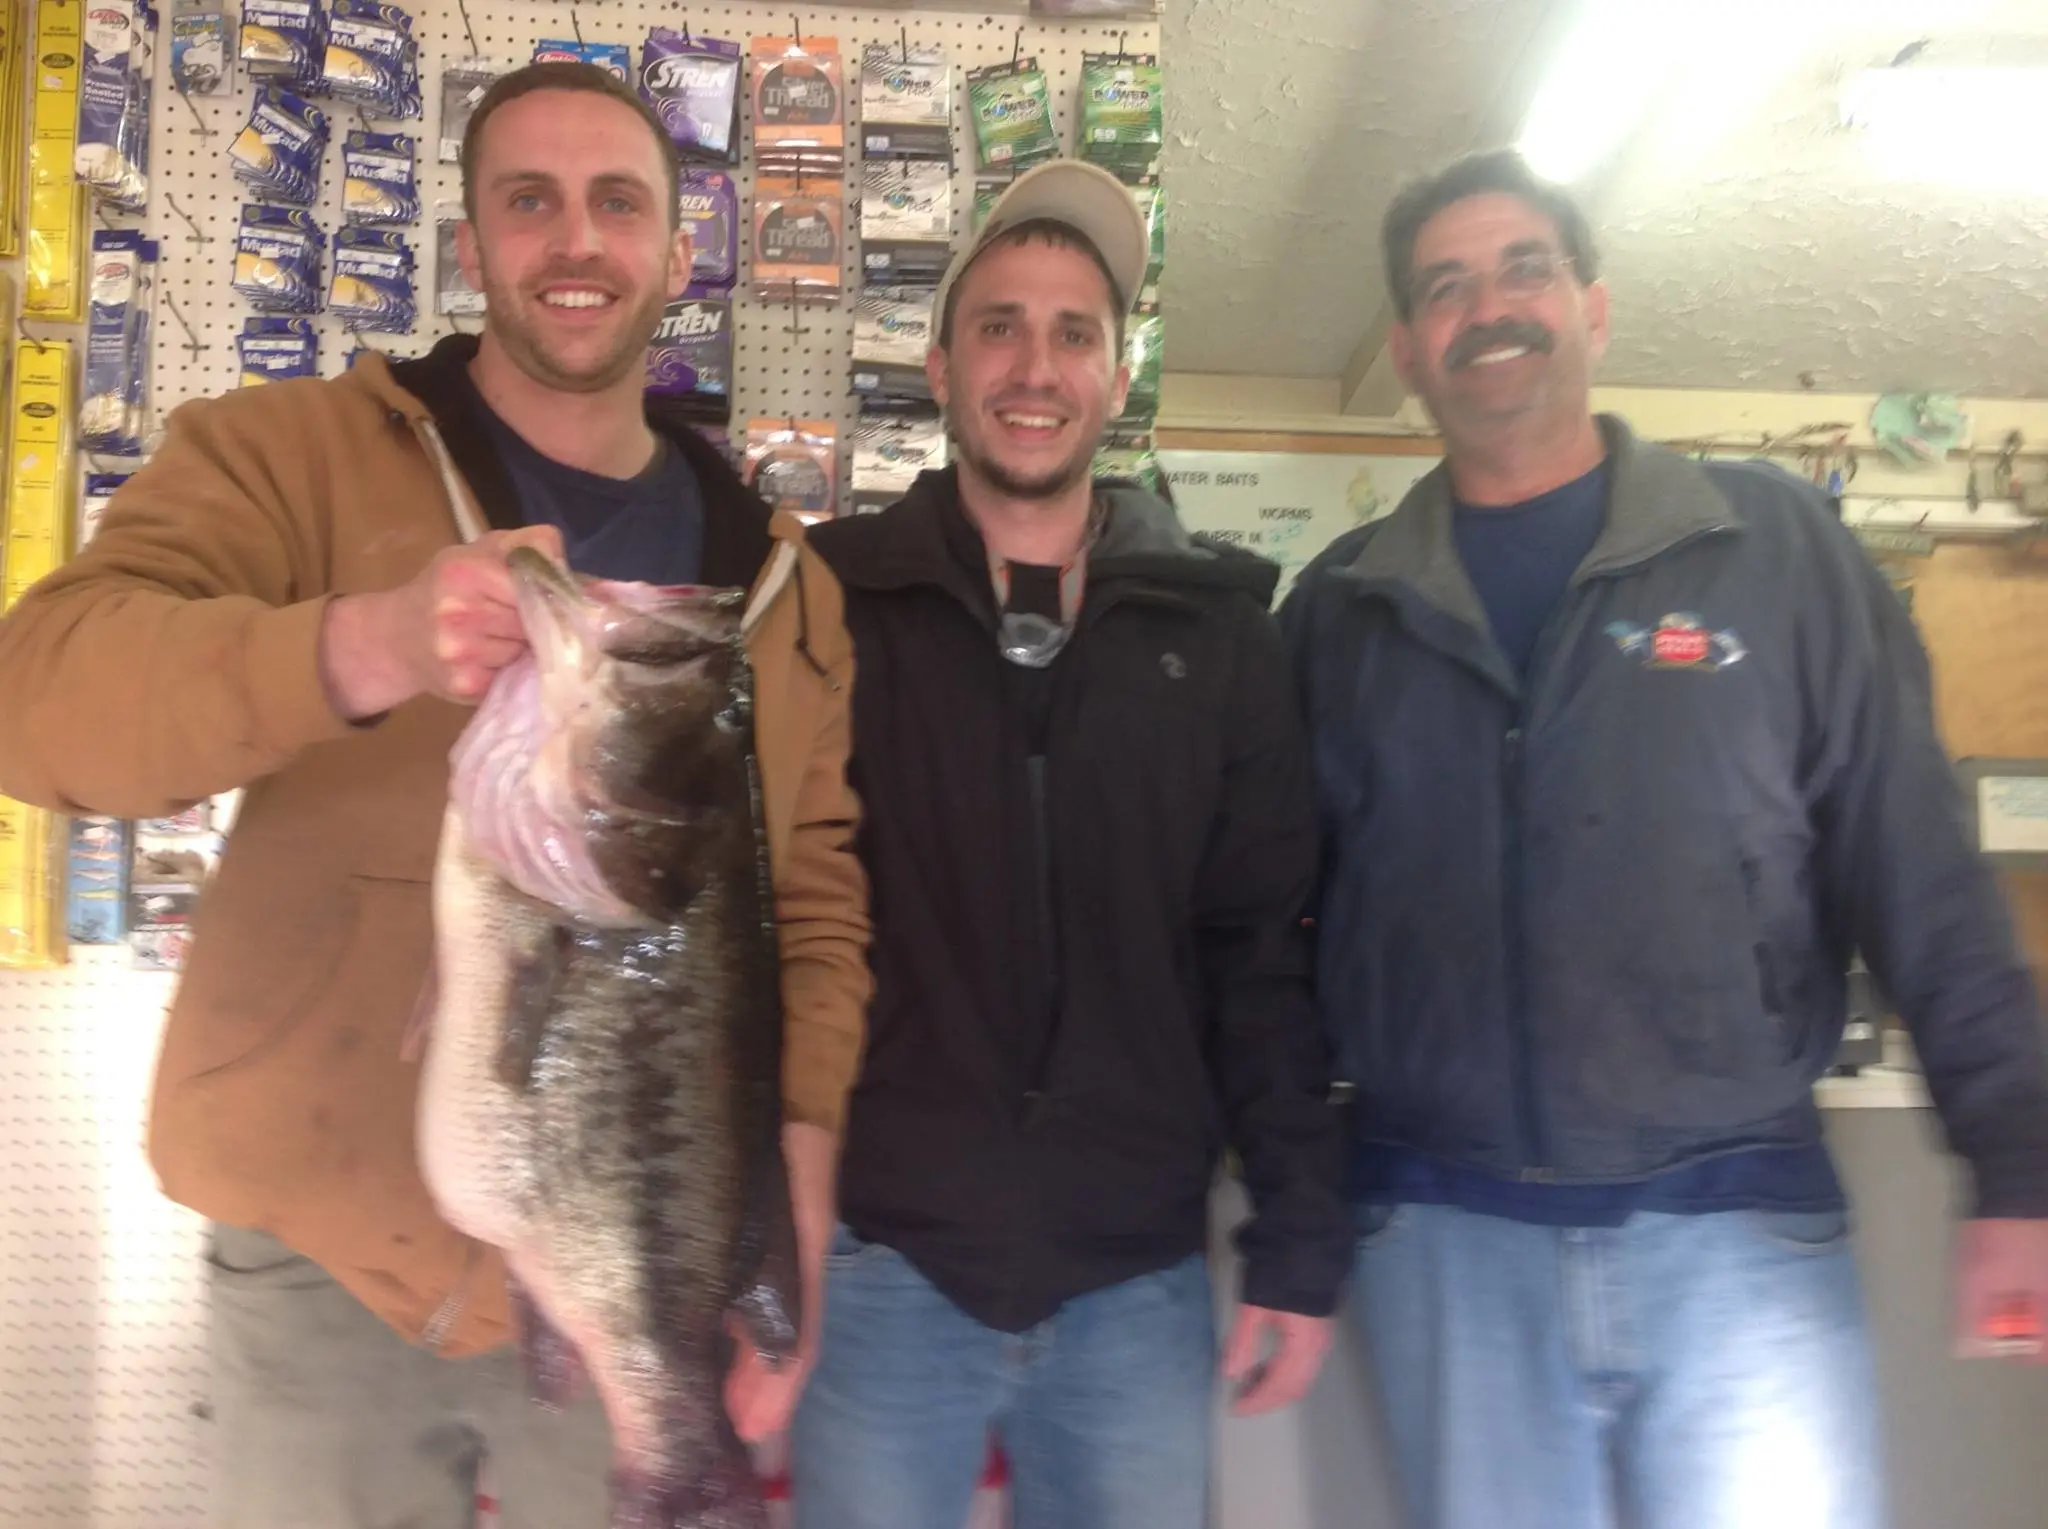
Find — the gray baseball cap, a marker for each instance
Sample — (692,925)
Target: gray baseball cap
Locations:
(1089,200)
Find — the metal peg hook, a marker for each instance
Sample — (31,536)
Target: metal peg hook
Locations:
(192,341)
(21,328)
(576,26)
(1121,39)
(470,31)
(1017,49)
(198,234)
(795,327)
(796,30)
(904,34)
(204,130)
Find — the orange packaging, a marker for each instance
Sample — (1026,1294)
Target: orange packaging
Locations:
(799,240)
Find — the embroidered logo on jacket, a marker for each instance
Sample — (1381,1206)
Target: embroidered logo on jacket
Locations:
(1680,641)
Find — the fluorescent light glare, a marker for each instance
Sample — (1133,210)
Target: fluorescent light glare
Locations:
(1978,128)
(1603,82)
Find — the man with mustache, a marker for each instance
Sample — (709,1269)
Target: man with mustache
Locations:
(1621,759)
(1090,839)
(289,597)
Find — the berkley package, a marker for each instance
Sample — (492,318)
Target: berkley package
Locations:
(798,240)
(379,180)
(799,106)
(1123,122)
(794,465)
(691,355)
(614,57)
(277,259)
(278,153)
(92,505)
(276,349)
(906,104)
(893,329)
(906,222)
(693,84)
(1012,110)
(114,412)
(373,281)
(709,203)
(112,153)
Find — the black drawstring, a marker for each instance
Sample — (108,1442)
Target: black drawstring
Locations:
(803,627)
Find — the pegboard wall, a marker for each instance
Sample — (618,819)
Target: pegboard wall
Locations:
(786,363)
(103,1367)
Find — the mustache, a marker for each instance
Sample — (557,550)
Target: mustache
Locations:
(1499,336)
(596,272)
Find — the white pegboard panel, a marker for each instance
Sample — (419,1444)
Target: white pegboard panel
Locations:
(102,1317)
(785,364)
(103,1367)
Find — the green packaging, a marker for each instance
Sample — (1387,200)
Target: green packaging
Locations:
(1144,351)
(1012,115)
(1131,457)
(1151,200)
(1123,121)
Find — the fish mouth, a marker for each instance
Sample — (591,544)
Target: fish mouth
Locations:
(553,607)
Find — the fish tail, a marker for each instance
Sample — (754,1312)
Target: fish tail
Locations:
(724,1494)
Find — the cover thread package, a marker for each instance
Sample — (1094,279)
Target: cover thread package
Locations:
(794,465)
(799,106)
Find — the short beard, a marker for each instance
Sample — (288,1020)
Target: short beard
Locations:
(1051,485)
(527,353)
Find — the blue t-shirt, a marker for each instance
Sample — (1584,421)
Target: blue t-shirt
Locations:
(647,529)
(1520,560)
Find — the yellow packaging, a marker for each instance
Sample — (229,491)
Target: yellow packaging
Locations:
(35,530)
(57,235)
(13,83)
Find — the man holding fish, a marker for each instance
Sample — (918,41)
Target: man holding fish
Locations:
(302,594)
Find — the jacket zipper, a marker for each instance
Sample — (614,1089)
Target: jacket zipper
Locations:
(1048,934)
(1562,624)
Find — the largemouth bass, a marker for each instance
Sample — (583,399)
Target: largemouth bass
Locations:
(601,1095)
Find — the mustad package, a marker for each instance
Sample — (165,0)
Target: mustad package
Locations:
(693,84)
(276,350)
(373,281)
(277,154)
(379,181)
(371,60)
(278,254)
(284,42)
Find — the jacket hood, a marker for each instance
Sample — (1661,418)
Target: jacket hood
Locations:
(1143,539)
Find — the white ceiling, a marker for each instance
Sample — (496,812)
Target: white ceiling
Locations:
(1748,239)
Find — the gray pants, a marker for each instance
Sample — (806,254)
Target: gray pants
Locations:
(326,1419)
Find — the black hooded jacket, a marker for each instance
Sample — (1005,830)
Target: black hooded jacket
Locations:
(1091,968)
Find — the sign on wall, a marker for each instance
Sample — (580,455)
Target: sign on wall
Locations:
(1286,506)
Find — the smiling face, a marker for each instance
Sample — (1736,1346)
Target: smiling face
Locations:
(1032,373)
(1501,328)
(573,239)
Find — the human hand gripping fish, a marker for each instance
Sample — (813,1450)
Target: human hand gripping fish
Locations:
(601,1094)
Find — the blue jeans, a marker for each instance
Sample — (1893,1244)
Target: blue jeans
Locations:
(1104,1410)
(1675,1372)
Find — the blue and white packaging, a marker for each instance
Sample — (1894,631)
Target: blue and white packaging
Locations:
(277,259)
(200,60)
(373,281)
(371,58)
(92,504)
(276,350)
(284,41)
(613,57)
(112,151)
(277,154)
(108,418)
(380,183)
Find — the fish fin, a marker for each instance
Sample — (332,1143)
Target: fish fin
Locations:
(554,1370)
(420,1024)
(725,1495)
(528,1006)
